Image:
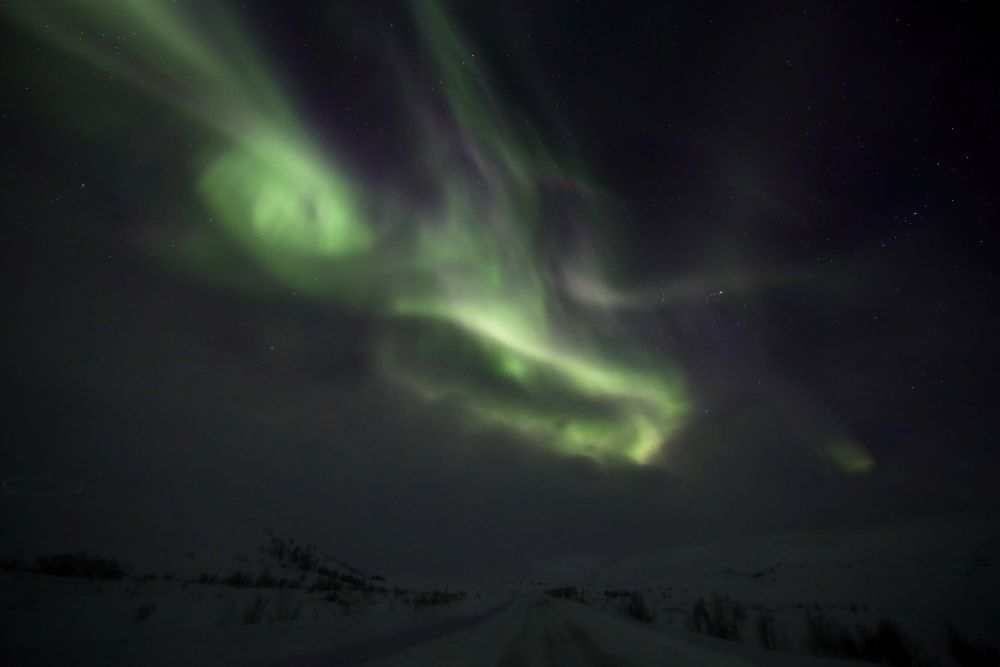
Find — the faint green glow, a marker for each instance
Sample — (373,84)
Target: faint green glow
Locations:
(194,56)
(514,367)
(467,276)
(849,457)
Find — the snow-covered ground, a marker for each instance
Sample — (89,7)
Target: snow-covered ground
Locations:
(536,630)
(919,575)
(68,621)
(176,603)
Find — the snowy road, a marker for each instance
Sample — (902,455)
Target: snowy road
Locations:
(537,631)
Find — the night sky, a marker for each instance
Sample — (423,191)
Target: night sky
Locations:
(459,286)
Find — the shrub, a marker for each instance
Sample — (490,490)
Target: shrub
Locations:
(565,593)
(637,608)
(11,565)
(79,565)
(228,615)
(341,598)
(825,637)
(323,584)
(144,611)
(254,610)
(302,557)
(969,654)
(354,582)
(719,617)
(265,580)
(324,571)
(886,644)
(767,632)
(285,608)
(239,579)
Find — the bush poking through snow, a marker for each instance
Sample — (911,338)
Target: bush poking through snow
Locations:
(336,596)
(253,612)
(228,615)
(238,579)
(886,644)
(79,565)
(719,617)
(767,633)
(565,593)
(638,609)
(265,579)
(326,584)
(145,610)
(969,654)
(285,608)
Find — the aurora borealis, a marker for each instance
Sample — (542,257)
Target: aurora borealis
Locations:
(468,270)
(502,277)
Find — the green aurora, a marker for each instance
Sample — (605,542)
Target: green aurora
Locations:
(474,312)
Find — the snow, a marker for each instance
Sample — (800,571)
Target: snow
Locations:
(62,620)
(918,575)
(535,630)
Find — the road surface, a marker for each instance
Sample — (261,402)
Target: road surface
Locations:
(536,631)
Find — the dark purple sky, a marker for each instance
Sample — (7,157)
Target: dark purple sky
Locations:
(848,148)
